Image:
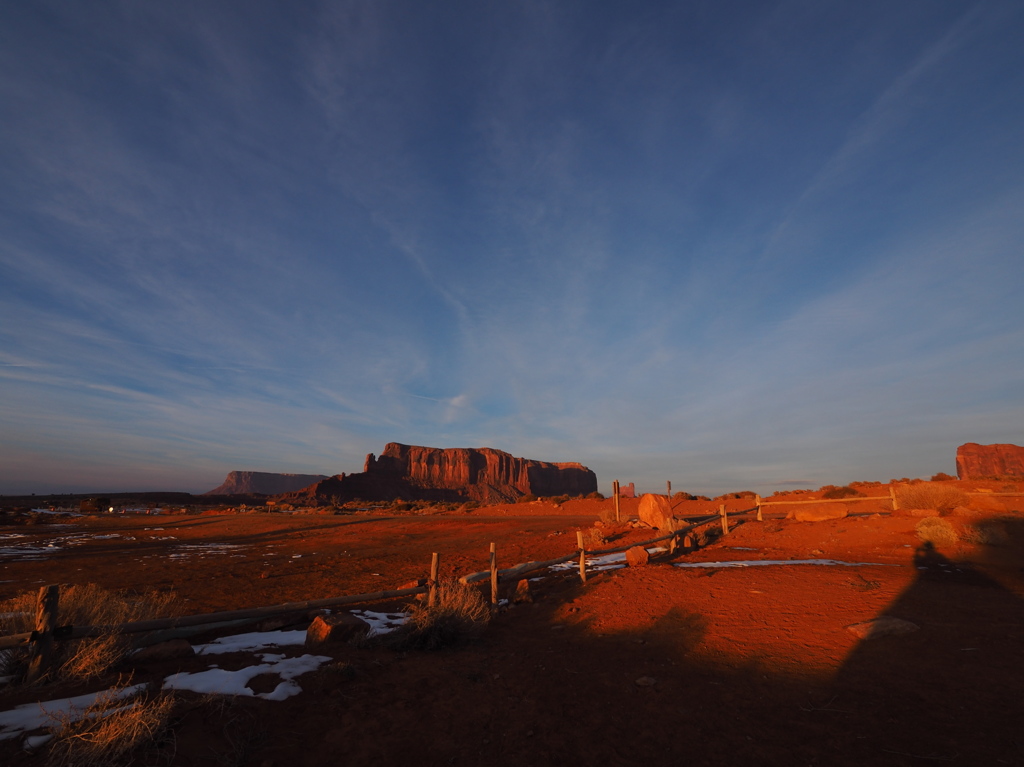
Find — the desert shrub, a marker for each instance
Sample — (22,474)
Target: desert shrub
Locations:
(937,531)
(608,516)
(557,498)
(831,491)
(736,495)
(529,497)
(988,532)
(942,477)
(595,496)
(592,536)
(112,732)
(459,615)
(85,605)
(924,496)
(681,496)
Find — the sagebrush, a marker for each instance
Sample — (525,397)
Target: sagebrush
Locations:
(926,496)
(459,615)
(112,731)
(937,531)
(82,605)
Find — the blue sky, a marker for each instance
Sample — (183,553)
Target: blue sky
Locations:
(731,244)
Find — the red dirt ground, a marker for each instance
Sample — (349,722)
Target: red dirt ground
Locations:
(747,666)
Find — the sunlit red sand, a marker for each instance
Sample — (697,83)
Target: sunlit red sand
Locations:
(659,664)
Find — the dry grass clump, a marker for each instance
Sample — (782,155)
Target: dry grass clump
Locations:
(925,496)
(112,731)
(937,531)
(86,605)
(459,615)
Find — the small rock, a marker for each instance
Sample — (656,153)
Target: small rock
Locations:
(637,556)
(173,648)
(334,629)
(522,594)
(646,681)
(414,584)
(880,627)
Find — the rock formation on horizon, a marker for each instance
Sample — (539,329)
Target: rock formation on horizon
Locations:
(410,472)
(974,461)
(263,483)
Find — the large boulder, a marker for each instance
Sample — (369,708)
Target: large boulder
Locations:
(974,461)
(656,511)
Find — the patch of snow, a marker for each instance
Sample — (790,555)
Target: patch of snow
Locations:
(33,716)
(767,562)
(252,641)
(603,562)
(219,681)
(381,623)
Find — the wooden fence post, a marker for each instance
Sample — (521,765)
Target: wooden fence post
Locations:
(615,493)
(673,541)
(725,519)
(759,517)
(435,562)
(668,488)
(892,495)
(583,556)
(688,542)
(494,574)
(41,651)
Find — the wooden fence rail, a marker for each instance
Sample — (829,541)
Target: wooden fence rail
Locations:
(47,628)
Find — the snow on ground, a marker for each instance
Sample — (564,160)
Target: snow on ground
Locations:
(381,623)
(36,549)
(203,549)
(766,562)
(603,562)
(220,681)
(33,716)
(252,642)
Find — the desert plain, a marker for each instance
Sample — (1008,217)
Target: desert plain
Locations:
(664,663)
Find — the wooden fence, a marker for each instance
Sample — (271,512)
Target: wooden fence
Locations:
(48,631)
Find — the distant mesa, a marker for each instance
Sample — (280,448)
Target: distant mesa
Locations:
(974,461)
(460,474)
(263,483)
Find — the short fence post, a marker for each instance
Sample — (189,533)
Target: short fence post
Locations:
(688,542)
(432,583)
(615,493)
(494,574)
(668,488)
(41,649)
(583,556)
(892,495)
(673,541)
(725,519)
(759,517)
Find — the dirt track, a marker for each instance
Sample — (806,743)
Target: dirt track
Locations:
(746,666)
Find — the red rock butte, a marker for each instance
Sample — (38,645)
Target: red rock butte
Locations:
(974,461)
(410,472)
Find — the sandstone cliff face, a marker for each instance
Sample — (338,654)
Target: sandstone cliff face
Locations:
(456,474)
(974,461)
(263,483)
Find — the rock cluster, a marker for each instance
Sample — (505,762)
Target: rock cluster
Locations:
(974,461)
(410,472)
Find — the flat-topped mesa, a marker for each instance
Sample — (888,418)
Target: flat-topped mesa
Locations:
(263,483)
(482,474)
(974,461)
